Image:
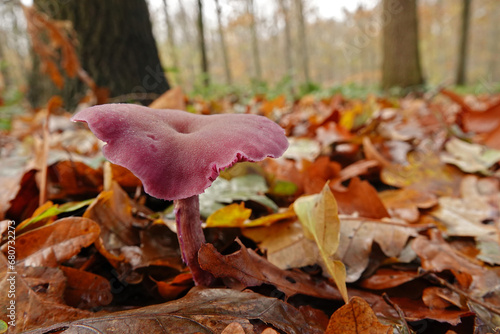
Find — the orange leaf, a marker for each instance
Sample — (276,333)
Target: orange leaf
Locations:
(357,317)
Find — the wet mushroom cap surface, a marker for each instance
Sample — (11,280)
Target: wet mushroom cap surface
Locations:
(177,154)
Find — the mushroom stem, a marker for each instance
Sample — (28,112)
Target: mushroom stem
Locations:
(191,238)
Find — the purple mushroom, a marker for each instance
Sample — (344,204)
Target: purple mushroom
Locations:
(177,155)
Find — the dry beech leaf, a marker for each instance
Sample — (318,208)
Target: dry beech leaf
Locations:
(405,203)
(362,199)
(425,172)
(173,288)
(200,311)
(385,278)
(320,220)
(437,255)
(38,297)
(465,216)
(356,317)
(86,290)
(285,245)
(113,211)
(245,268)
(52,244)
(357,236)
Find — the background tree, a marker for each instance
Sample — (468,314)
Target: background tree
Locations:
(202,45)
(303,49)
(401,59)
(255,41)
(463,47)
(115,46)
(227,68)
(171,42)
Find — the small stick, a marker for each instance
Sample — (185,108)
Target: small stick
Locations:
(435,278)
(398,309)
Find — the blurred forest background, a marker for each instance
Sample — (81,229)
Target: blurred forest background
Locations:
(274,47)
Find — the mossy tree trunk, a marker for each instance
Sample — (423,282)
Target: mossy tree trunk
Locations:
(115,46)
(401,60)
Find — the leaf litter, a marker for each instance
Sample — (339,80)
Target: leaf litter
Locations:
(379,187)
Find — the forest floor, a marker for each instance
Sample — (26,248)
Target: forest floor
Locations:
(415,181)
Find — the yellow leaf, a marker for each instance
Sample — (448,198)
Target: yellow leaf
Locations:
(233,215)
(318,215)
(270,219)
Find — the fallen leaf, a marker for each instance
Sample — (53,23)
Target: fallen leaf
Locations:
(36,296)
(465,216)
(285,245)
(470,158)
(357,236)
(233,215)
(437,255)
(405,203)
(52,244)
(362,199)
(200,311)
(245,268)
(112,210)
(386,278)
(271,219)
(85,290)
(356,317)
(171,289)
(319,217)
(425,172)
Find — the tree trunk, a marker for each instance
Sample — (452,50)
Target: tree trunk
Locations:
(171,43)
(284,7)
(227,69)
(462,51)
(202,45)
(255,42)
(401,60)
(304,55)
(115,46)
(190,38)
(493,70)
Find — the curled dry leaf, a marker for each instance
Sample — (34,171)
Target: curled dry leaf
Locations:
(52,244)
(86,290)
(357,236)
(437,255)
(405,203)
(356,317)
(200,311)
(38,294)
(245,268)
(362,199)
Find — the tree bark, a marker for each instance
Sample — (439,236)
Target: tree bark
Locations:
(401,60)
(462,50)
(285,12)
(227,68)
(255,42)
(202,45)
(115,46)
(171,43)
(493,72)
(303,50)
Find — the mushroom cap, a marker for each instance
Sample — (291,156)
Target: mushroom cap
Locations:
(177,154)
